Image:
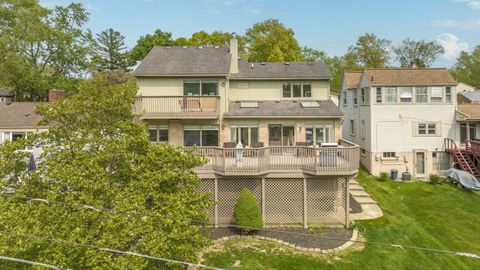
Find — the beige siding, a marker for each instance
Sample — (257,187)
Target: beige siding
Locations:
(272,90)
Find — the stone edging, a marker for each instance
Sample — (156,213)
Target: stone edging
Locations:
(322,251)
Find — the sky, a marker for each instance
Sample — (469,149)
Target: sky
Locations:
(328,25)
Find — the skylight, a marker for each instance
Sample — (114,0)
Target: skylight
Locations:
(248,104)
(310,104)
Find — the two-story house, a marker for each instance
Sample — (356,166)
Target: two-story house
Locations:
(260,125)
(399,117)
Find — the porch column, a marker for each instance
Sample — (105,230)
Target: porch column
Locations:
(175,132)
(263,131)
(263,201)
(305,220)
(216,204)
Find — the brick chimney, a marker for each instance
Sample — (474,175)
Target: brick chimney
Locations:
(234,55)
(54,95)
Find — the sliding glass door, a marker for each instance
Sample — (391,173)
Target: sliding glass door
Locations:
(279,135)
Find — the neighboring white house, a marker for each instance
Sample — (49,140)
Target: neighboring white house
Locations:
(463,87)
(400,117)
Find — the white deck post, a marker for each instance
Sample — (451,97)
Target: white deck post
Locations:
(263,201)
(347,201)
(216,204)
(305,221)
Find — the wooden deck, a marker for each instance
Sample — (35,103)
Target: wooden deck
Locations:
(178,107)
(342,160)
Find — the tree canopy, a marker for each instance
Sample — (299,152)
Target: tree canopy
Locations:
(369,51)
(271,41)
(147,42)
(467,67)
(96,153)
(421,53)
(110,51)
(42,48)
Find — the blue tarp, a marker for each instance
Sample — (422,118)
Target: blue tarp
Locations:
(464,178)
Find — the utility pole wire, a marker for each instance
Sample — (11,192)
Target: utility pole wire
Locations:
(206,223)
(54,240)
(49,266)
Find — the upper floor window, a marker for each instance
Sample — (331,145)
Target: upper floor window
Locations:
(436,94)
(379,95)
(355,99)
(427,129)
(200,88)
(352,127)
(421,95)
(406,94)
(448,94)
(391,95)
(3,99)
(296,90)
(364,96)
(344,96)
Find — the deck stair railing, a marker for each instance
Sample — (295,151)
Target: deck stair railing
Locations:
(463,158)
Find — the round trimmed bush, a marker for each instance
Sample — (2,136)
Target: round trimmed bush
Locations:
(247,213)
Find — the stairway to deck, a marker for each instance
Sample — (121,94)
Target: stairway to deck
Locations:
(464,158)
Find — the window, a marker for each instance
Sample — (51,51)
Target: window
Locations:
(158,134)
(391,95)
(247,135)
(362,131)
(307,90)
(406,94)
(427,129)
(448,94)
(200,88)
(318,134)
(17,135)
(1,137)
(436,94)
(379,95)
(200,136)
(362,95)
(352,127)
(389,155)
(421,95)
(344,98)
(296,90)
(286,90)
(355,101)
(362,151)
(3,99)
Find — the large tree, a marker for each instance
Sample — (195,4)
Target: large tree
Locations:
(110,51)
(271,41)
(418,52)
(147,42)
(370,51)
(42,48)
(97,153)
(467,67)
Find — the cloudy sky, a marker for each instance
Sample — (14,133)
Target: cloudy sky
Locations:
(326,25)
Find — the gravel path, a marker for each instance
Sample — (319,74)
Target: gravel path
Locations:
(305,241)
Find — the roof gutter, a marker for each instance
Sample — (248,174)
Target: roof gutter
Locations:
(282,116)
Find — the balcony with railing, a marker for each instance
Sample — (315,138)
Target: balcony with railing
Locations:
(341,160)
(165,107)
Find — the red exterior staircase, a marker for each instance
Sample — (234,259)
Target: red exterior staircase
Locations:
(463,157)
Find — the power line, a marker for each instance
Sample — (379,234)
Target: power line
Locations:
(16,234)
(5,258)
(205,223)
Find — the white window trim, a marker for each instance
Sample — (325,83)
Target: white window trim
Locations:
(352,127)
(389,158)
(327,129)
(355,98)
(302,90)
(438,131)
(201,90)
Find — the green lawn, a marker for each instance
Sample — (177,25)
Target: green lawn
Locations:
(417,214)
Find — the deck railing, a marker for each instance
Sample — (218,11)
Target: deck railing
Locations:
(156,107)
(252,161)
(473,147)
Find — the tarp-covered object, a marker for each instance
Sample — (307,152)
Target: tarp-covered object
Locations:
(464,178)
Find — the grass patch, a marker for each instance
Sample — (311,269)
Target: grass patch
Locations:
(417,214)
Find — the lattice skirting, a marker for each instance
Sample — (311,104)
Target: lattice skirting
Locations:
(289,201)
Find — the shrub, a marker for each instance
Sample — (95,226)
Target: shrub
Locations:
(247,213)
(317,228)
(436,179)
(383,177)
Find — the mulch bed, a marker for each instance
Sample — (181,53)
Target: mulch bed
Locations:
(305,241)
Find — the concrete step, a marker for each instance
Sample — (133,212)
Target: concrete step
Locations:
(359,193)
(355,187)
(365,200)
(353,181)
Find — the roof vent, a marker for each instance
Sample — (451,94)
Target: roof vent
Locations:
(287,63)
(248,104)
(310,104)
(184,47)
(262,63)
(216,47)
(200,47)
(252,66)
